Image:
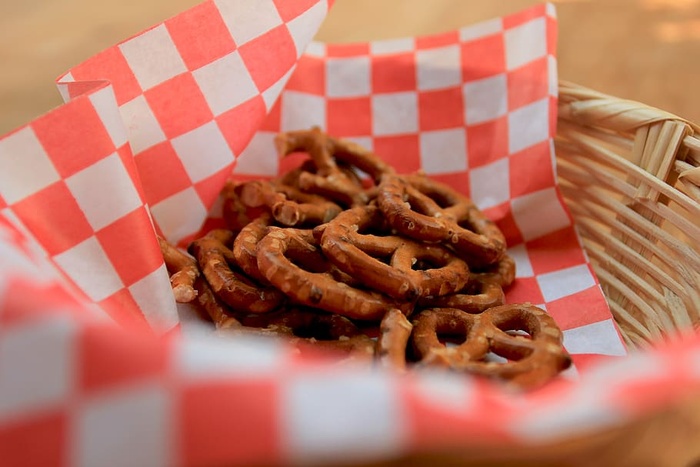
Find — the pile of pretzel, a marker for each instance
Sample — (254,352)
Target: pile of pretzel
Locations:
(345,253)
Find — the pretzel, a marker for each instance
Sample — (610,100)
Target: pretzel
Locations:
(235,213)
(501,273)
(288,205)
(532,361)
(183,271)
(214,308)
(306,328)
(328,155)
(394,333)
(356,242)
(245,246)
(478,295)
(226,280)
(427,210)
(280,256)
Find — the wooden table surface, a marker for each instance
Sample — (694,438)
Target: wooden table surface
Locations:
(647,50)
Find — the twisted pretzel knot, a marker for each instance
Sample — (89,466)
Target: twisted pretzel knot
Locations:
(291,260)
(423,209)
(329,155)
(531,361)
(357,243)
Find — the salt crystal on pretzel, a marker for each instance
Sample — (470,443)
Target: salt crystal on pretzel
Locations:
(237,290)
(357,242)
(531,360)
(426,210)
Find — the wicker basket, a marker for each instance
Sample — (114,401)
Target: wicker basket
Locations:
(631,177)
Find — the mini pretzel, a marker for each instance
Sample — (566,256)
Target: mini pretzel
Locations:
(214,307)
(394,333)
(328,154)
(288,205)
(280,253)
(355,242)
(246,243)
(308,328)
(427,210)
(235,212)
(183,270)
(502,272)
(237,290)
(477,296)
(532,361)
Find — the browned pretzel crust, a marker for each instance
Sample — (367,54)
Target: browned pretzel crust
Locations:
(426,210)
(394,333)
(234,288)
(288,205)
(329,155)
(280,254)
(477,296)
(314,329)
(502,272)
(356,241)
(531,361)
(183,271)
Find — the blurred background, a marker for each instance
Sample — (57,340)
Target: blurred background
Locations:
(646,50)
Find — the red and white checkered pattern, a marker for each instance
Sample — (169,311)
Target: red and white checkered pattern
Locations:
(153,127)
(79,390)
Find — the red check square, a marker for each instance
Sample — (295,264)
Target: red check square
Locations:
(442,109)
(487,142)
(394,73)
(132,257)
(534,166)
(211,417)
(162,173)
(526,84)
(179,105)
(264,67)
(73,136)
(111,357)
(349,117)
(18,440)
(54,218)
(591,309)
(200,35)
(482,58)
(399,151)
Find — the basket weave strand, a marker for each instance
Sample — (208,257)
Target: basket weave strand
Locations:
(630,175)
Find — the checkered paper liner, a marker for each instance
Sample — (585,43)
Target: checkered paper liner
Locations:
(153,127)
